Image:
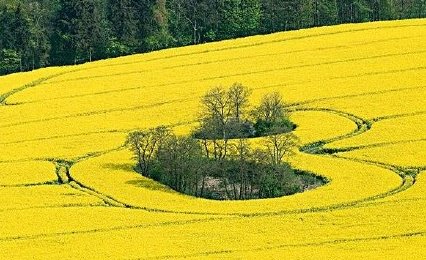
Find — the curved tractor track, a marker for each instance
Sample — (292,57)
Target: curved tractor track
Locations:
(407,176)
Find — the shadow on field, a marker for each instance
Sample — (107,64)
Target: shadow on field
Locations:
(120,166)
(151,185)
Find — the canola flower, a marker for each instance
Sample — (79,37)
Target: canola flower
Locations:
(356,93)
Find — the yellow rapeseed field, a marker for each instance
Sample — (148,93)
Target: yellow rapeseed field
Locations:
(357,93)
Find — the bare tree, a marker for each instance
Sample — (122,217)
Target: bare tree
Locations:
(271,108)
(215,118)
(280,146)
(145,144)
(243,155)
(238,99)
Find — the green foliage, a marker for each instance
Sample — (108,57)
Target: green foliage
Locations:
(9,61)
(239,18)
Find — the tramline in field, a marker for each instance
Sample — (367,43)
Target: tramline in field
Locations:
(68,188)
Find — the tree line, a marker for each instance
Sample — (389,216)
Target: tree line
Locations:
(39,33)
(217,160)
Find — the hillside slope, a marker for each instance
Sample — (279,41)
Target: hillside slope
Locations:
(68,191)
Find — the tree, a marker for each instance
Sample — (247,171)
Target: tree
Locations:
(221,118)
(190,19)
(325,12)
(158,35)
(21,36)
(238,98)
(40,30)
(270,115)
(241,176)
(217,110)
(145,145)
(271,108)
(239,18)
(279,146)
(380,10)
(179,163)
(209,164)
(6,28)
(123,23)
(280,15)
(408,8)
(79,32)
(249,17)
(355,11)
(10,59)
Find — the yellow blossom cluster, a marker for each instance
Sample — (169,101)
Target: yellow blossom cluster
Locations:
(68,188)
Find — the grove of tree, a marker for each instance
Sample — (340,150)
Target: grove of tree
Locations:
(218,160)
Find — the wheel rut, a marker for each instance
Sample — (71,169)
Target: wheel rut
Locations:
(408,176)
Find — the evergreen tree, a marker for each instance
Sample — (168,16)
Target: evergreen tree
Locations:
(157,34)
(21,36)
(79,34)
(39,32)
(380,10)
(324,12)
(123,23)
(6,28)
(355,11)
(10,59)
